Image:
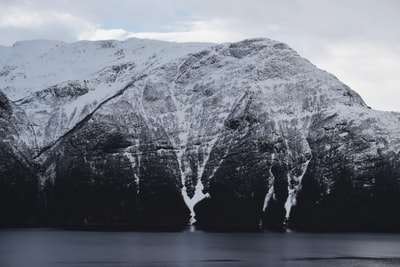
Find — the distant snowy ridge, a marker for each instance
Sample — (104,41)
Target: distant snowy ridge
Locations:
(90,71)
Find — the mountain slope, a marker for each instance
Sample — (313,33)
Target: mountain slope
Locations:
(19,195)
(231,135)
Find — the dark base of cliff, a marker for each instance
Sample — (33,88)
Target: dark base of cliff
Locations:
(347,209)
(227,215)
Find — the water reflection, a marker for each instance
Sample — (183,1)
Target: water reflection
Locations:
(49,247)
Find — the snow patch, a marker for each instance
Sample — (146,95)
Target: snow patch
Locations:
(294,186)
(268,197)
(270,192)
(132,161)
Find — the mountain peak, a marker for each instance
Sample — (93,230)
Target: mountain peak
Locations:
(37,44)
(226,134)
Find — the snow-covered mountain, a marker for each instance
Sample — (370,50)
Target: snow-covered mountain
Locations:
(230,135)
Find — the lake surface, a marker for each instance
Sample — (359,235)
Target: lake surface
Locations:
(60,248)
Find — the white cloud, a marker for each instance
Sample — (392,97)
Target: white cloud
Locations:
(94,33)
(23,23)
(371,69)
(20,19)
(214,31)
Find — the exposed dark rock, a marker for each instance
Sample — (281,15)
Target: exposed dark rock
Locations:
(19,185)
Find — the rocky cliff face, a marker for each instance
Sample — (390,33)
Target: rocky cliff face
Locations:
(19,194)
(232,135)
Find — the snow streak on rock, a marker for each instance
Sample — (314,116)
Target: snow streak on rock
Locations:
(135,167)
(270,192)
(294,186)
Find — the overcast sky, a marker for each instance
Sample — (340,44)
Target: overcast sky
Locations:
(356,40)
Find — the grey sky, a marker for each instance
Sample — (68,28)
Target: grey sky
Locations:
(357,40)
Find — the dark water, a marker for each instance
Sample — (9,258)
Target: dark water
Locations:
(48,247)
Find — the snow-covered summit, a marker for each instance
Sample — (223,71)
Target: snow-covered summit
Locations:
(29,66)
(30,69)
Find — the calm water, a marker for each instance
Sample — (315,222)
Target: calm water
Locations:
(48,247)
